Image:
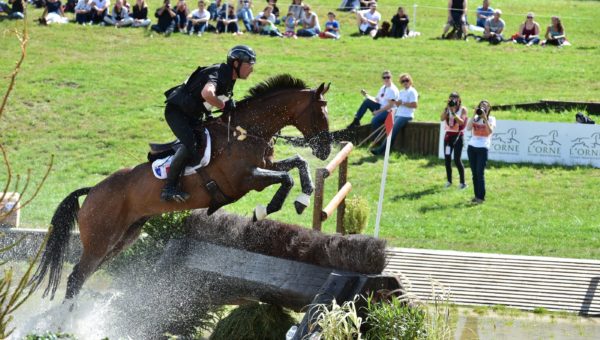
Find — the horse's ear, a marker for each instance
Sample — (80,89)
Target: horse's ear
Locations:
(326,89)
(320,89)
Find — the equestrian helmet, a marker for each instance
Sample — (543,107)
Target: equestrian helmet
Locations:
(242,53)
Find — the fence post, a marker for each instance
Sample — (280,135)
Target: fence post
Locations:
(319,192)
(342,179)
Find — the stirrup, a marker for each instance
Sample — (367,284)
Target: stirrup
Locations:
(171,194)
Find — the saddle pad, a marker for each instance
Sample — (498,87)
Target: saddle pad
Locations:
(161,167)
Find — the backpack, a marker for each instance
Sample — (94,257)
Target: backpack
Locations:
(583,119)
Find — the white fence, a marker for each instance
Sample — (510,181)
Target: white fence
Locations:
(537,142)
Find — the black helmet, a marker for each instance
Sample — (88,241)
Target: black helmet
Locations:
(242,53)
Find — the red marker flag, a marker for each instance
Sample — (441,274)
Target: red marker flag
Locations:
(389,122)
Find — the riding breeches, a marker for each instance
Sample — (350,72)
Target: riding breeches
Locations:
(184,126)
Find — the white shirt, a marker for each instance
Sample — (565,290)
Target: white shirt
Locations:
(101,3)
(369,16)
(409,95)
(196,14)
(386,93)
(482,141)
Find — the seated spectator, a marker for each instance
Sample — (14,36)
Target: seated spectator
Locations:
(494,28)
(290,23)
(198,19)
(296,9)
(457,18)
(484,12)
(216,9)
(140,14)
(126,5)
(166,19)
(83,12)
(119,17)
(555,33)
(273,3)
(181,15)
(309,22)
(264,23)
(349,5)
(529,32)
(364,5)
(332,28)
(16,12)
(70,6)
(53,14)
(245,14)
(228,23)
(376,104)
(399,24)
(368,20)
(405,104)
(99,11)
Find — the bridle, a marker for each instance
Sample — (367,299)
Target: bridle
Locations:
(316,137)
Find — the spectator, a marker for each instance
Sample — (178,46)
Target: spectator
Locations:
(482,125)
(290,25)
(364,5)
(555,33)
(245,14)
(455,120)
(70,6)
(405,111)
(264,23)
(228,23)
(140,14)
(198,19)
(484,12)
(16,12)
(275,11)
(216,9)
(83,12)
(332,27)
(386,93)
(368,20)
(296,8)
(99,11)
(494,28)
(457,17)
(529,32)
(119,16)
(399,24)
(181,15)
(126,5)
(53,14)
(309,22)
(166,19)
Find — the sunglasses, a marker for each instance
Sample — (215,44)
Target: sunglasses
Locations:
(529,17)
(404,80)
(385,77)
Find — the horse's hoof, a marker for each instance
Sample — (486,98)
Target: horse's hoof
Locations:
(299,207)
(301,202)
(260,213)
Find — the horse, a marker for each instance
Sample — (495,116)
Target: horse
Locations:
(114,211)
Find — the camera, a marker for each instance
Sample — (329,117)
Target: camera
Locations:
(452,102)
(479,111)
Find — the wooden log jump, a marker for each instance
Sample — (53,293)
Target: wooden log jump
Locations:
(338,202)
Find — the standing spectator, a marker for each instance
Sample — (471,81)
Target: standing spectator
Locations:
(529,32)
(16,12)
(166,19)
(181,15)
(198,19)
(83,12)
(99,11)
(457,16)
(140,14)
(482,125)
(245,14)
(399,24)
(119,16)
(555,33)
(368,20)
(228,22)
(405,111)
(332,28)
(264,23)
(455,119)
(290,23)
(484,12)
(387,93)
(53,14)
(310,23)
(494,28)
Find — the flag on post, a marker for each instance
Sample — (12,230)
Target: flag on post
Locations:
(389,122)
(389,125)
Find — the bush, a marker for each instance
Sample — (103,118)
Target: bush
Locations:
(254,321)
(356,215)
(339,322)
(49,336)
(395,319)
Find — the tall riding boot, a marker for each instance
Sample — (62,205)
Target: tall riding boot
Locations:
(171,191)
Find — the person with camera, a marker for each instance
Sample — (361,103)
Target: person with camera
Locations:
(482,126)
(166,19)
(455,120)
(191,102)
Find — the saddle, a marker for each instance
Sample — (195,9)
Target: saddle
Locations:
(162,150)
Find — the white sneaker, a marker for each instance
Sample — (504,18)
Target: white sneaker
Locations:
(191,32)
(447,185)
(462,186)
(199,34)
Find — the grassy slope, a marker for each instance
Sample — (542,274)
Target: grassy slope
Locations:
(92,96)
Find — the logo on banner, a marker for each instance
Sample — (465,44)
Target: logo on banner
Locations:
(586,147)
(544,145)
(505,142)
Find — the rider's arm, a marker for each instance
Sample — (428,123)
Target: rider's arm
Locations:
(210,96)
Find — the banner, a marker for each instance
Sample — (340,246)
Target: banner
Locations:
(516,141)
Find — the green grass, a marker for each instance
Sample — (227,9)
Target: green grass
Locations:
(92,96)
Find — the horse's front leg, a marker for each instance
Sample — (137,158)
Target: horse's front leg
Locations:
(263,178)
(303,200)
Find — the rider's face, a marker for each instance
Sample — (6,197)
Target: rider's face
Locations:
(245,70)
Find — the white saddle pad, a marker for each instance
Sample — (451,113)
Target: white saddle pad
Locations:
(161,167)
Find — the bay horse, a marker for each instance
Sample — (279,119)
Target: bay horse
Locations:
(114,211)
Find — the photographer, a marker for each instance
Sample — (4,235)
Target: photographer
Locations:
(166,19)
(482,126)
(455,119)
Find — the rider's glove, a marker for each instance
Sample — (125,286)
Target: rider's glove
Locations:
(229,106)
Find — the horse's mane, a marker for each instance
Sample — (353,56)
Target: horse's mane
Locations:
(274,84)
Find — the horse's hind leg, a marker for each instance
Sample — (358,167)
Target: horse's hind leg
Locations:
(87,266)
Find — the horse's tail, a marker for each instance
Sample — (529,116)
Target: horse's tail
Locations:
(57,243)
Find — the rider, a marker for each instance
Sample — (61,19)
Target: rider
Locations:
(189,103)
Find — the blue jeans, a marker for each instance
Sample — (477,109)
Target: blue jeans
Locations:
(477,160)
(399,123)
(367,104)
(532,40)
(198,28)
(307,32)
(246,15)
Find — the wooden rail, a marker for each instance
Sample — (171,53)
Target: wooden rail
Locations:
(319,214)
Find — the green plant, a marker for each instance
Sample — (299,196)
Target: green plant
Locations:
(49,336)
(254,321)
(166,226)
(394,318)
(339,322)
(356,214)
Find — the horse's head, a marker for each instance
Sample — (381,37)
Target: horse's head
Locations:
(314,124)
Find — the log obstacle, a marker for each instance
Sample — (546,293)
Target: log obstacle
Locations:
(321,214)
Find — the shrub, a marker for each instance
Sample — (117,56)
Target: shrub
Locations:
(49,336)
(339,322)
(254,321)
(356,215)
(395,319)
